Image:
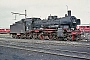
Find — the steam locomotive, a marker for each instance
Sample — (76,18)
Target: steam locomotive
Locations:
(53,28)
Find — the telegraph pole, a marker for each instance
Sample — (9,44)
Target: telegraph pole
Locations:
(25,14)
(67,8)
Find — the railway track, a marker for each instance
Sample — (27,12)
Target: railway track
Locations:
(49,48)
(44,42)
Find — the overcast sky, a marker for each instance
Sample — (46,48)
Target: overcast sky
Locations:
(43,8)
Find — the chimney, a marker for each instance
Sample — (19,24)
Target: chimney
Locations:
(69,12)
